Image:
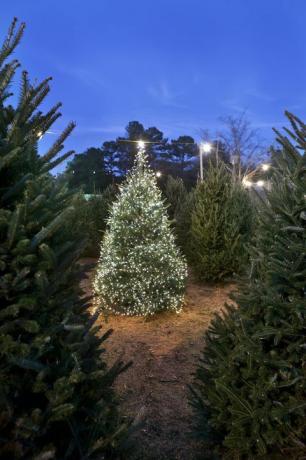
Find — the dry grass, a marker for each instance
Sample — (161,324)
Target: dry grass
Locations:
(164,351)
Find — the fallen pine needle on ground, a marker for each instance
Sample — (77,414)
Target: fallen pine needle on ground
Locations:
(164,350)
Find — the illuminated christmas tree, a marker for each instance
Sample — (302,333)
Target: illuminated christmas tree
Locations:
(140,270)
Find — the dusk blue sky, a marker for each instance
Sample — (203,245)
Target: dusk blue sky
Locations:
(175,64)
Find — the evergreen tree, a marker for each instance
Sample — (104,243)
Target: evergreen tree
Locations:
(56,396)
(127,145)
(90,219)
(88,170)
(111,158)
(140,270)
(221,223)
(178,159)
(183,151)
(180,208)
(250,389)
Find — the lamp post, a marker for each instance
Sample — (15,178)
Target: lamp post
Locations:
(217,152)
(235,160)
(205,147)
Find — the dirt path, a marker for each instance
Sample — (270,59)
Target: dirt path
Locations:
(164,351)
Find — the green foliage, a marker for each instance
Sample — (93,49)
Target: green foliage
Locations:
(140,270)
(97,167)
(90,218)
(88,170)
(182,151)
(180,207)
(56,396)
(242,223)
(221,225)
(250,387)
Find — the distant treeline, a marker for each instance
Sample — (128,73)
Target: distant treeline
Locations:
(98,167)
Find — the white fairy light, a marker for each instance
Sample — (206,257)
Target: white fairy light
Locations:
(260,183)
(140,270)
(141,144)
(265,166)
(158,174)
(246,183)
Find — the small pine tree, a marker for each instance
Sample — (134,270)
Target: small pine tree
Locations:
(91,218)
(221,224)
(250,388)
(56,391)
(180,207)
(140,270)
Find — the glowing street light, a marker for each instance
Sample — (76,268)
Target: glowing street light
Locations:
(205,147)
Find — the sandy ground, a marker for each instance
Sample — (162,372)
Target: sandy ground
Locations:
(164,351)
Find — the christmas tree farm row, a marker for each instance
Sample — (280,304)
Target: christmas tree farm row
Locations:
(57,398)
(249,391)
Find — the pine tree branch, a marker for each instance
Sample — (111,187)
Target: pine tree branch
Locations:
(58,144)
(53,164)
(46,232)
(6,76)
(12,40)
(9,157)
(16,188)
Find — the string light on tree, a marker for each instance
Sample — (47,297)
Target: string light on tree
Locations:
(246,183)
(140,270)
(141,145)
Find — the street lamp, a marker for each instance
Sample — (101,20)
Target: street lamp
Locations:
(205,147)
